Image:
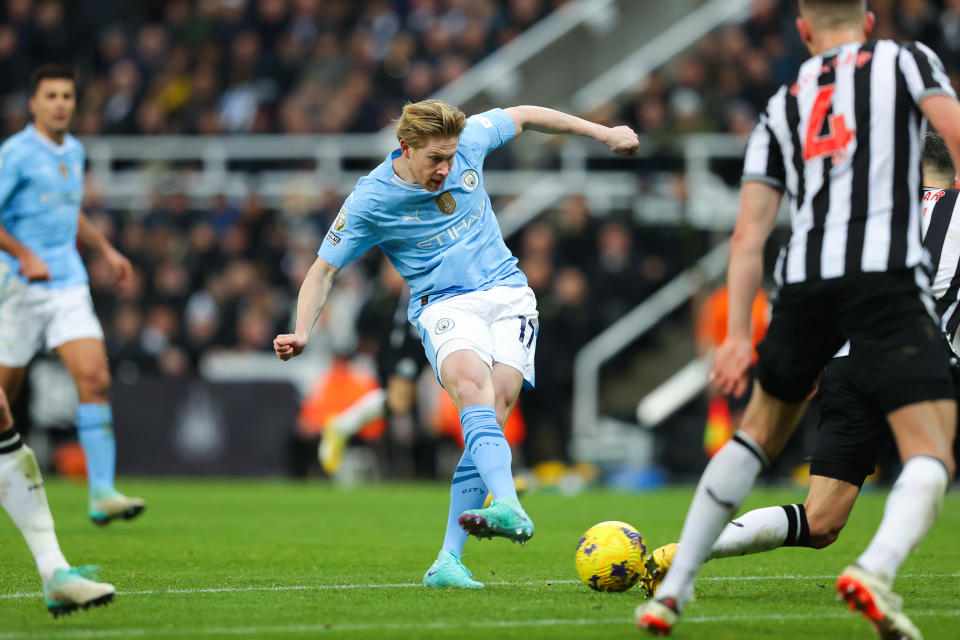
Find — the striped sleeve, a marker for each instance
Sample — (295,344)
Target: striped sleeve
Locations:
(923,72)
(763,161)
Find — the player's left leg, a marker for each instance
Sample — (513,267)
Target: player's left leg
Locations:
(850,436)
(86,360)
(815,524)
(801,339)
(905,363)
(23,497)
(924,433)
(767,424)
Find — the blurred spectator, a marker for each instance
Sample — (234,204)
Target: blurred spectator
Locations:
(253,66)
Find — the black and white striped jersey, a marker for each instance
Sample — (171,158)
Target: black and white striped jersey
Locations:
(940,224)
(844,141)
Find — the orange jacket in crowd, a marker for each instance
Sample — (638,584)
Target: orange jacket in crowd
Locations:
(333,393)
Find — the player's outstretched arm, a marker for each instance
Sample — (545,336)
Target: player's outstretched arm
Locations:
(759,204)
(621,140)
(313,295)
(92,237)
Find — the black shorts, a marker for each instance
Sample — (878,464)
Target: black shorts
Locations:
(853,429)
(889,320)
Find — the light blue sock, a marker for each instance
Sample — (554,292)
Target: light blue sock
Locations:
(488,449)
(467,491)
(95,429)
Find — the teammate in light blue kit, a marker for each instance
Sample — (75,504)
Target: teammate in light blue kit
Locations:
(44,297)
(426,208)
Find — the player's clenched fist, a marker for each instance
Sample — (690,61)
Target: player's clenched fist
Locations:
(289,345)
(623,141)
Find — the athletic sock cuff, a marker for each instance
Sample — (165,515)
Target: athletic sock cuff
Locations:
(940,462)
(477,412)
(747,442)
(10,442)
(798,531)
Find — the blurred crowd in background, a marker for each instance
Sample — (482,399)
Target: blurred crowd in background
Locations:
(251,66)
(331,66)
(223,276)
(724,81)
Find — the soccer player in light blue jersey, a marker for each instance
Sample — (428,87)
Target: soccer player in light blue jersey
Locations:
(44,296)
(426,208)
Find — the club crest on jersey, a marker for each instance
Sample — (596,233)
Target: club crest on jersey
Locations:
(444,325)
(64,171)
(446,203)
(341,220)
(470,180)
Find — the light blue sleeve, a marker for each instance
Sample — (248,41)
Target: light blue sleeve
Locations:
(9,174)
(351,234)
(487,131)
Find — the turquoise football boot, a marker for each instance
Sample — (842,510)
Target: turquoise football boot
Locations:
(505,518)
(448,571)
(76,588)
(110,504)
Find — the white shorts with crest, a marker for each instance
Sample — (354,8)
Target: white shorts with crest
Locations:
(499,325)
(33,318)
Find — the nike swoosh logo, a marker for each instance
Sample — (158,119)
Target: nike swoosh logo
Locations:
(433,573)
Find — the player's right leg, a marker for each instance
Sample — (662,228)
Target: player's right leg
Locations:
(904,360)
(23,497)
(86,360)
(469,381)
(924,433)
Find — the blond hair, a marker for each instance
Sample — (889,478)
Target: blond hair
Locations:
(421,121)
(830,14)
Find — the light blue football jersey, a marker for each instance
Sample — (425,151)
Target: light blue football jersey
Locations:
(444,243)
(41,188)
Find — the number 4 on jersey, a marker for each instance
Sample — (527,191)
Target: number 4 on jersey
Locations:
(838,136)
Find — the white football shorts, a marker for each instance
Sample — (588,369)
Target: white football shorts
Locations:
(499,325)
(33,318)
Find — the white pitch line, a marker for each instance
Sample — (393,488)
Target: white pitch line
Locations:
(823,577)
(428,626)
(408,585)
(293,587)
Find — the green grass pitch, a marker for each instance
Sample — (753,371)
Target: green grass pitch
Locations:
(287,560)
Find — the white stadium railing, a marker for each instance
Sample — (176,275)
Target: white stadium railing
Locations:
(599,439)
(631,71)
(128,170)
